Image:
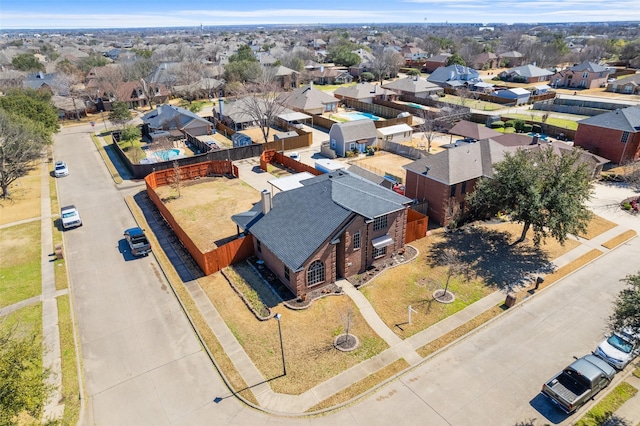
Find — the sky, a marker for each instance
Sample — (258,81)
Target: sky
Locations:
(67,14)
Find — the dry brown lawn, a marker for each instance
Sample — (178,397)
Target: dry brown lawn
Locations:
(617,240)
(307,336)
(413,284)
(495,263)
(597,226)
(384,162)
(24,202)
(205,207)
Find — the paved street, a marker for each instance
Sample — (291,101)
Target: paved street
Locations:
(144,365)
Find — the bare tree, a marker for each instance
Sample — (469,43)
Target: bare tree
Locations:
(386,63)
(263,101)
(109,80)
(632,174)
(455,267)
(429,127)
(175,179)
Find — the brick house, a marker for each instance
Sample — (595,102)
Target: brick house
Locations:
(336,225)
(614,135)
(443,180)
(629,85)
(485,61)
(587,75)
(434,62)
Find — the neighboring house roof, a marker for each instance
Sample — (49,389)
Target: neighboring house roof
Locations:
(633,78)
(237,110)
(362,91)
(170,116)
(460,164)
(301,220)
(529,71)
(355,130)
(37,80)
(510,54)
(442,57)
(588,66)
(412,85)
(472,130)
(485,57)
(282,71)
(515,90)
(454,73)
(626,120)
(307,98)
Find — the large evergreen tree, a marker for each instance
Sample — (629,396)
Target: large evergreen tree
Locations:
(539,188)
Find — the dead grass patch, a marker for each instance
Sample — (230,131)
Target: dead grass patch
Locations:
(307,336)
(384,163)
(570,267)
(24,201)
(105,157)
(361,386)
(205,207)
(458,332)
(551,247)
(616,241)
(390,295)
(223,362)
(597,226)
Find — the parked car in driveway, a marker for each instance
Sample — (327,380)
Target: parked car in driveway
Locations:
(60,169)
(619,349)
(70,217)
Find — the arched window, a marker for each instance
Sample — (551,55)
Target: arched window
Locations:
(315,273)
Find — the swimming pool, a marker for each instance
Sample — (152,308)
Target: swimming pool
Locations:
(542,137)
(166,154)
(352,116)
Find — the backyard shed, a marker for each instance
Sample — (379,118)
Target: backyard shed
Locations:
(396,133)
(240,139)
(352,136)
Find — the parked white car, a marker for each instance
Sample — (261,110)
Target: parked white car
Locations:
(70,217)
(619,349)
(60,169)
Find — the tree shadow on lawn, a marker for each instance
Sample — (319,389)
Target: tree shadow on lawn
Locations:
(493,257)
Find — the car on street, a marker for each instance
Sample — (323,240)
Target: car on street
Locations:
(138,242)
(70,217)
(295,155)
(60,169)
(619,349)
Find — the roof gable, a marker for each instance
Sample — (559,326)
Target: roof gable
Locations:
(627,120)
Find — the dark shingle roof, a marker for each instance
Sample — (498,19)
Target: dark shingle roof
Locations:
(627,120)
(588,66)
(462,163)
(303,219)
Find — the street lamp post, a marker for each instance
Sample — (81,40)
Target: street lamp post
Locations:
(284,365)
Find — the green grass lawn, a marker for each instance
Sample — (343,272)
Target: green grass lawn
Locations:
(603,410)
(554,121)
(20,271)
(471,103)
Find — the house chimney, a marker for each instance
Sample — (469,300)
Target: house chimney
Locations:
(265,196)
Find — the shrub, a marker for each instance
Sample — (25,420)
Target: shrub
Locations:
(626,206)
(526,128)
(497,124)
(518,125)
(536,128)
(510,123)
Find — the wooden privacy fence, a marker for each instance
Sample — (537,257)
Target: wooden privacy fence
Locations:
(273,156)
(416,226)
(220,257)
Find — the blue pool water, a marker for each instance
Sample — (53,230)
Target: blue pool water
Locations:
(543,137)
(415,105)
(360,116)
(167,154)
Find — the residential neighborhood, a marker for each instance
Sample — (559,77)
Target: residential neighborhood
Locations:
(340,221)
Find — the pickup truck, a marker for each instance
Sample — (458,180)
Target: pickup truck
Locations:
(138,242)
(578,383)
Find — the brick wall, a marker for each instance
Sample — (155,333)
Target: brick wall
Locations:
(607,143)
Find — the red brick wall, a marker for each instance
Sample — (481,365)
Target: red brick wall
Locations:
(606,143)
(437,195)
